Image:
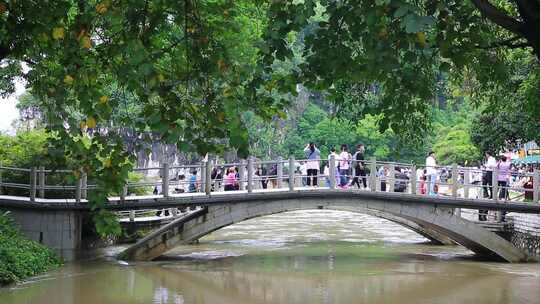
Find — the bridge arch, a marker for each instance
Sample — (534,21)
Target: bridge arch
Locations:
(430,220)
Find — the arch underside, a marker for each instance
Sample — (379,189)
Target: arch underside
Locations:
(435,223)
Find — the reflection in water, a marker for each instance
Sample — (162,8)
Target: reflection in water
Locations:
(297,257)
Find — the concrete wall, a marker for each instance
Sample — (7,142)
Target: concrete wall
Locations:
(58,230)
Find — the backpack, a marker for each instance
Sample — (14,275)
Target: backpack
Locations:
(358,158)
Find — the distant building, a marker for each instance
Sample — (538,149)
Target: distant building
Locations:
(528,153)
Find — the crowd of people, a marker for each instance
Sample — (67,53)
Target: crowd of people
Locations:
(508,176)
(352,170)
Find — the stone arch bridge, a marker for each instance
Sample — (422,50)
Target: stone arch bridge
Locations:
(436,218)
(58,222)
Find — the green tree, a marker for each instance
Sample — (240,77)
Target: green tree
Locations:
(396,49)
(509,112)
(186,64)
(455,146)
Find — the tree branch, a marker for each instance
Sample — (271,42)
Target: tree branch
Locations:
(506,43)
(510,46)
(529,9)
(498,17)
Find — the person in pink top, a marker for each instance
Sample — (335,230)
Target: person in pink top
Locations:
(504,176)
(230,180)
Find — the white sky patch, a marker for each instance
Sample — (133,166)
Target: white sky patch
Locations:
(8,106)
(8,109)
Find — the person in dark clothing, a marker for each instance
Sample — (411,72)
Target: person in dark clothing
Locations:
(216,176)
(273,176)
(261,173)
(359,167)
(401,180)
(487,180)
(487,183)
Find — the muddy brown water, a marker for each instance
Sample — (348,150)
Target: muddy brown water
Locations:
(297,257)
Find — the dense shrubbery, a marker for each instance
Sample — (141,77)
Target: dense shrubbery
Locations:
(19,257)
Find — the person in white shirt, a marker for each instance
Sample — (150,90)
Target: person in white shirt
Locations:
(487,182)
(333,153)
(344,165)
(326,173)
(431,172)
(303,173)
(312,166)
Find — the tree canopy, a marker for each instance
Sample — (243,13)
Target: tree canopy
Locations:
(184,64)
(401,47)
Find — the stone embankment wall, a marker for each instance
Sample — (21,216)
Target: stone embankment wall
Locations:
(526,233)
(58,230)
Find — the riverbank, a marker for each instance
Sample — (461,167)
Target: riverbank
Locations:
(20,257)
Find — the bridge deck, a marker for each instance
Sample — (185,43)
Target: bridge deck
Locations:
(201,199)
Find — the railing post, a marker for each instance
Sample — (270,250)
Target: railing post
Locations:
(202,181)
(291,173)
(33,181)
(123,192)
(250,174)
(495,190)
(455,182)
(78,190)
(413,180)
(84,193)
(391,177)
(280,172)
(208,177)
(466,182)
(1,188)
(495,184)
(241,175)
(536,186)
(332,171)
(165,180)
(41,178)
(373,174)
(455,186)
(132,215)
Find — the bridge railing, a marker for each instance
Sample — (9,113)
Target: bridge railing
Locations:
(282,174)
(38,182)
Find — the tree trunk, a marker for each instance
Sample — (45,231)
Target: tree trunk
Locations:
(530,12)
(527,27)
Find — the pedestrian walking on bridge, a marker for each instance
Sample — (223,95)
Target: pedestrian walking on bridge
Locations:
(344,165)
(359,167)
(313,156)
(431,172)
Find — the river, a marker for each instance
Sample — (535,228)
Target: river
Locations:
(297,257)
